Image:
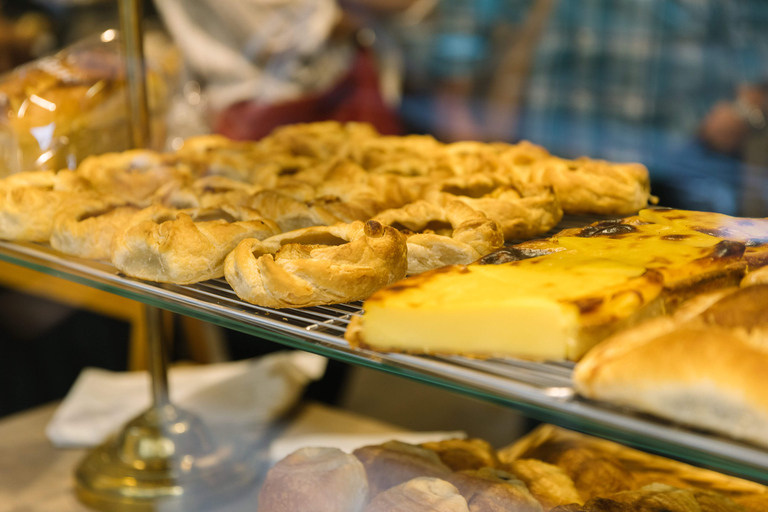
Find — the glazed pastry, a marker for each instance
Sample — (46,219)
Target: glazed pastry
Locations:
(184,246)
(443,231)
(320,265)
(85,228)
(548,483)
(315,480)
(463,454)
(394,463)
(420,495)
(494,490)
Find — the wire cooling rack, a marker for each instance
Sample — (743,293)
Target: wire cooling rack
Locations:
(541,389)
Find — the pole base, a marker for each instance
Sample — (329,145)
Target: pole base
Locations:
(164,460)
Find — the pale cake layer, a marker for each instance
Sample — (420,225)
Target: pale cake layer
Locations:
(536,308)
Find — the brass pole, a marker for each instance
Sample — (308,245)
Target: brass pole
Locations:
(133,51)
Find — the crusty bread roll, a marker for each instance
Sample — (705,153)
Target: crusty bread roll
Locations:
(494,490)
(184,246)
(315,480)
(695,369)
(85,228)
(394,463)
(319,265)
(423,494)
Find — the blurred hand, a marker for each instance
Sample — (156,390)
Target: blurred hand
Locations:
(724,129)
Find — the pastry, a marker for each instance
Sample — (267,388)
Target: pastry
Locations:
(393,463)
(657,498)
(134,176)
(587,186)
(420,495)
(494,490)
(604,278)
(316,480)
(289,212)
(601,468)
(463,454)
(319,265)
(184,246)
(443,231)
(547,483)
(521,213)
(695,367)
(29,202)
(85,228)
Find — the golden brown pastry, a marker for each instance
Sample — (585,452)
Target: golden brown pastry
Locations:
(394,463)
(420,495)
(587,186)
(316,480)
(548,483)
(632,469)
(288,211)
(443,231)
(134,176)
(85,228)
(494,490)
(695,369)
(520,212)
(29,201)
(320,265)
(184,246)
(463,454)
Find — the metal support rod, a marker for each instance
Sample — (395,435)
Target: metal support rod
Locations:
(133,51)
(157,355)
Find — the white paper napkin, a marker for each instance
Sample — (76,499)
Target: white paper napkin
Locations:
(251,392)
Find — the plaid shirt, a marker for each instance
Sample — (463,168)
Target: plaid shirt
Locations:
(622,79)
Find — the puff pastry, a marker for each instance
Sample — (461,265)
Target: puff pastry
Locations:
(443,231)
(587,186)
(134,176)
(184,246)
(85,228)
(319,265)
(522,212)
(29,201)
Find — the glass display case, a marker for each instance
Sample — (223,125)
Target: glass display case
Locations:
(677,87)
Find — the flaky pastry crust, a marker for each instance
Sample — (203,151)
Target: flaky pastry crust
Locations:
(184,246)
(85,228)
(587,186)
(29,201)
(319,265)
(520,213)
(443,231)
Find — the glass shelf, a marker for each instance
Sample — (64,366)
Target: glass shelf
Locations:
(541,390)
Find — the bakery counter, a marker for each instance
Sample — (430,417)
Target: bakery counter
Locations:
(541,390)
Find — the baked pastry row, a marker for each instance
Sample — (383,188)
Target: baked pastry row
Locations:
(550,469)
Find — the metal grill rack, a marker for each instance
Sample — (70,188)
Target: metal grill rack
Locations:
(542,390)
